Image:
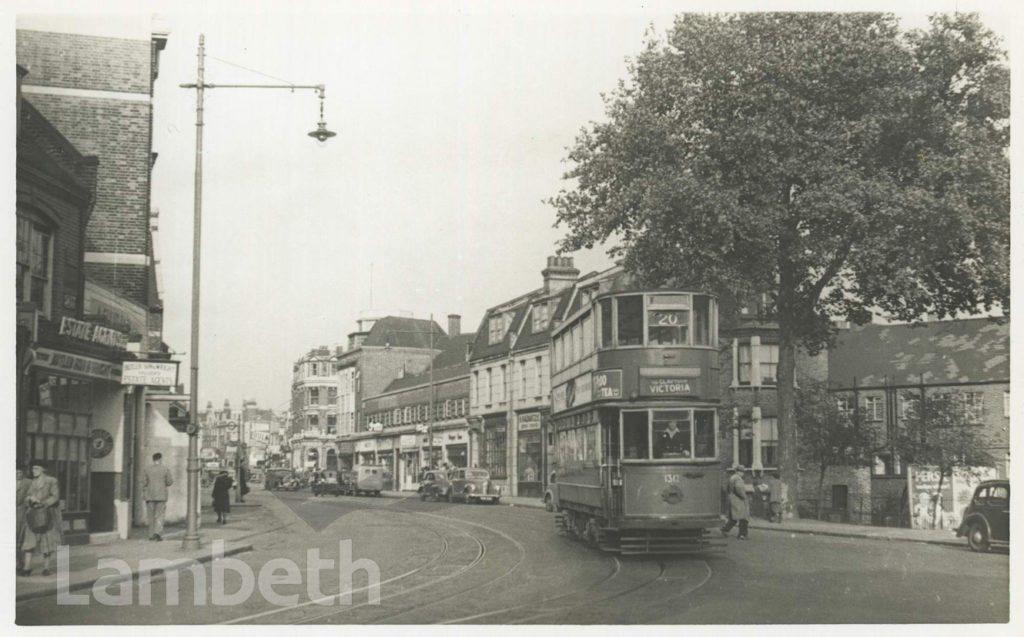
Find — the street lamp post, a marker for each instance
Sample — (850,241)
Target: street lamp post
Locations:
(321,134)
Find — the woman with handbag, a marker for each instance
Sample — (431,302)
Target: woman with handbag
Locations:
(44,525)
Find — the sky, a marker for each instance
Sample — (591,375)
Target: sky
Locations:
(453,120)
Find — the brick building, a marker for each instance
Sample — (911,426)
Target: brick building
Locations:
(90,301)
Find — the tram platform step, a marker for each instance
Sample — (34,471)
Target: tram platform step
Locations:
(645,543)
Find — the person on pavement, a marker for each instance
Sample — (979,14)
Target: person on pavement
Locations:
(738,511)
(222,496)
(44,525)
(155,480)
(774,498)
(20,500)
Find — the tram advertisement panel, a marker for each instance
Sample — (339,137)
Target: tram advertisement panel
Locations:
(655,491)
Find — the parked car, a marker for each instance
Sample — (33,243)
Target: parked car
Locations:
(473,485)
(277,478)
(434,484)
(986,520)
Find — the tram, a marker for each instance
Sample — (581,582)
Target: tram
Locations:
(634,420)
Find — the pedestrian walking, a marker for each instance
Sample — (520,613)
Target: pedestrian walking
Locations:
(44,525)
(243,487)
(222,496)
(155,480)
(738,510)
(775,489)
(21,504)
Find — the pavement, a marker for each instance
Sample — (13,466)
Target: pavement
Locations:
(83,569)
(83,564)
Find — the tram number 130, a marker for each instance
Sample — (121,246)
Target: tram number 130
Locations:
(671,478)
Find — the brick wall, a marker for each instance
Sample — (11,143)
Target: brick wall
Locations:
(858,484)
(116,130)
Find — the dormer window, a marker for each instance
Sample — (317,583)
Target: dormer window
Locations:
(540,317)
(495,330)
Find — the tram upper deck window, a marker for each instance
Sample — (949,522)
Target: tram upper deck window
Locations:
(701,320)
(631,320)
(668,319)
(606,322)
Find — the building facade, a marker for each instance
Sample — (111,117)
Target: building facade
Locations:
(510,381)
(86,282)
(315,392)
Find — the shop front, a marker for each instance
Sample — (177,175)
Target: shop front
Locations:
(386,458)
(366,451)
(432,451)
(456,448)
(494,448)
(530,462)
(74,418)
(346,451)
(409,463)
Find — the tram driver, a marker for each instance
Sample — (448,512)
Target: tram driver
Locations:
(672,442)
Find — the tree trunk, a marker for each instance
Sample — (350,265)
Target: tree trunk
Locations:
(788,461)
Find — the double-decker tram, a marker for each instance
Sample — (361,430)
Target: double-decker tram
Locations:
(634,420)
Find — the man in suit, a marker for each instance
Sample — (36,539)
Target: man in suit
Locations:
(738,511)
(155,480)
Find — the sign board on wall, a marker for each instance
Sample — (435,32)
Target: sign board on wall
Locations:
(366,445)
(529,422)
(152,373)
(607,384)
(407,441)
(577,391)
(385,444)
(82,365)
(957,490)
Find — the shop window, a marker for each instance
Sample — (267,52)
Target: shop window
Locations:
(668,319)
(494,452)
(631,320)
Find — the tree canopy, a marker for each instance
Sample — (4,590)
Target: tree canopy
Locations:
(866,166)
(829,160)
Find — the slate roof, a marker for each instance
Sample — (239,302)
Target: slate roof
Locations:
(450,363)
(399,331)
(958,351)
(527,337)
(481,348)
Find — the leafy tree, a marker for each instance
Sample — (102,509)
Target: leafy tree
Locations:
(829,437)
(831,161)
(941,433)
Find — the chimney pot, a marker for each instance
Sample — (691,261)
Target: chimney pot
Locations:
(454,325)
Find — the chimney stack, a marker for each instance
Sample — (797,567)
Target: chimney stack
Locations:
(559,274)
(454,325)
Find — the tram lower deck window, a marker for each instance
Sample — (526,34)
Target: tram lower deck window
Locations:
(679,434)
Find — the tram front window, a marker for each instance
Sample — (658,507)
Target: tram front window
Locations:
(672,434)
(634,436)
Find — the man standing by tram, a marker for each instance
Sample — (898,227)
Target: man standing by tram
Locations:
(738,511)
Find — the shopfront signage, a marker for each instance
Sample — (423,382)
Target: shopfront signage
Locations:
(81,365)
(438,441)
(607,384)
(578,391)
(385,444)
(668,386)
(85,331)
(366,445)
(529,422)
(375,426)
(151,373)
(407,441)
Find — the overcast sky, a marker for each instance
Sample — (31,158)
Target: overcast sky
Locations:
(452,122)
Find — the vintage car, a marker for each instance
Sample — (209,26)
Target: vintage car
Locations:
(284,479)
(472,485)
(363,479)
(434,485)
(986,520)
(330,483)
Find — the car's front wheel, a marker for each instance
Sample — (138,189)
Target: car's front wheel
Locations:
(977,537)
